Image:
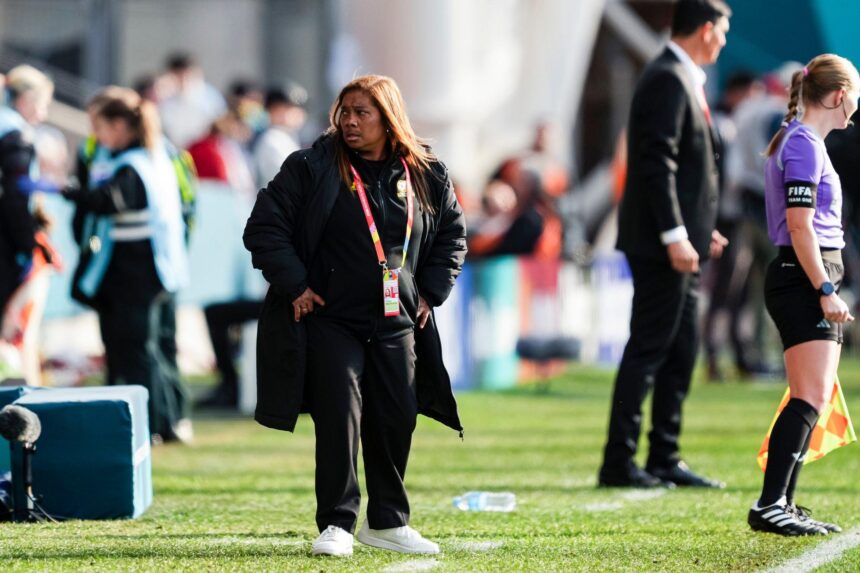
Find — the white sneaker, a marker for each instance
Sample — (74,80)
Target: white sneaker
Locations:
(403,539)
(333,541)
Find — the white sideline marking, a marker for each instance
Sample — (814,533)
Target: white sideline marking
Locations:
(821,554)
(603,506)
(635,496)
(643,494)
(245,541)
(476,546)
(414,565)
(577,482)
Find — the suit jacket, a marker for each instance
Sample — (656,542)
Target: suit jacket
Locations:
(672,173)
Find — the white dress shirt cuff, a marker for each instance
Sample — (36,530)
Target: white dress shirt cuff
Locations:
(674,235)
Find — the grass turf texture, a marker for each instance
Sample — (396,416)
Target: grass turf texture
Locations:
(241,498)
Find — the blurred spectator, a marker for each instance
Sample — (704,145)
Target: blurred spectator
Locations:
(52,153)
(147,87)
(843,148)
(219,156)
(286,117)
(25,252)
(741,293)
(245,99)
(554,179)
(521,219)
(188,113)
(727,294)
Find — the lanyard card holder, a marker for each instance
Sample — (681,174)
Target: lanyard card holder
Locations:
(391,292)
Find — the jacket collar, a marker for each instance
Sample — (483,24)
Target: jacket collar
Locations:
(694,72)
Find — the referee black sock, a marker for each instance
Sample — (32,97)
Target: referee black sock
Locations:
(787,440)
(792,481)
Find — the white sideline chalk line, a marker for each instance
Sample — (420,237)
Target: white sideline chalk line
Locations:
(603,506)
(246,541)
(635,496)
(414,565)
(821,554)
(643,494)
(476,546)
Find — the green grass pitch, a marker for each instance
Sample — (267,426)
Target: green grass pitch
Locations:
(241,498)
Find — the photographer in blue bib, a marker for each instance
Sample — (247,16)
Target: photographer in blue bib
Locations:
(360,237)
(133,255)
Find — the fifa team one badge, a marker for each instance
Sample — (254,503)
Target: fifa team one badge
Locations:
(391,292)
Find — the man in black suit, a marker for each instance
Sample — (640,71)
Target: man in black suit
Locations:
(666,227)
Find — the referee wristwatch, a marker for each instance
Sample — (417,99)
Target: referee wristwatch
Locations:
(826,289)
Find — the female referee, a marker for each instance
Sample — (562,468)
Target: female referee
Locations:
(804,216)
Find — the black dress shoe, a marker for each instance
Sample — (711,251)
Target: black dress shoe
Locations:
(682,476)
(632,477)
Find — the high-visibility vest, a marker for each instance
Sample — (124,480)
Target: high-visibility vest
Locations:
(160,222)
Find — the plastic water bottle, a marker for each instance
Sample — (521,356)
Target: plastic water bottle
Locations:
(503,501)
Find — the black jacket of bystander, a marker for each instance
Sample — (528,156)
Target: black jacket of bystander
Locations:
(283,234)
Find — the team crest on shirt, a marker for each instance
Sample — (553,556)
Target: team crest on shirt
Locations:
(401,189)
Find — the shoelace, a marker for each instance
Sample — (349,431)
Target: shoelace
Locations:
(800,511)
(329,534)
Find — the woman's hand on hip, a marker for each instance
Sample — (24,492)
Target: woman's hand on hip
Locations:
(835,309)
(423,312)
(304,304)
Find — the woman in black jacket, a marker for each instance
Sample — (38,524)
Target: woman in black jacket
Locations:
(360,237)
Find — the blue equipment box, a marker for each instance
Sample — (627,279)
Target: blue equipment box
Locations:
(93,458)
(8,394)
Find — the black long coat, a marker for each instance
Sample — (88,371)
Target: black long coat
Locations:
(283,233)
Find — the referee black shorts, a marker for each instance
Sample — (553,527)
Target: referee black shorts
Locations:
(794,304)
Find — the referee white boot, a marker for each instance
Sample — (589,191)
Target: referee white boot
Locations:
(333,541)
(401,539)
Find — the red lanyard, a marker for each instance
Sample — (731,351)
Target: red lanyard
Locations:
(371,224)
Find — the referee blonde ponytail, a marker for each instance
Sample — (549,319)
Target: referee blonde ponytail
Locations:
(822,75)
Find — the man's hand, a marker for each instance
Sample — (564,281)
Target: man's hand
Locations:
(304,304)
(683,256)
(718,243)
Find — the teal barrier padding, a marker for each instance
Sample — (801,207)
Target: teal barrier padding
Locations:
(8,394)
(93,459)
(495,322)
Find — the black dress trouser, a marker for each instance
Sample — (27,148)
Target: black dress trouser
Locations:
(660,354)
(360,389)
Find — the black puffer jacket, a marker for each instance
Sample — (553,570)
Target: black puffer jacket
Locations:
(283,233)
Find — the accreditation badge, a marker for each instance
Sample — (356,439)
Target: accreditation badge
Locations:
(391,292)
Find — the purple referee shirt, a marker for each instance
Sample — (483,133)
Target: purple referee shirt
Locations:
(804,162)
